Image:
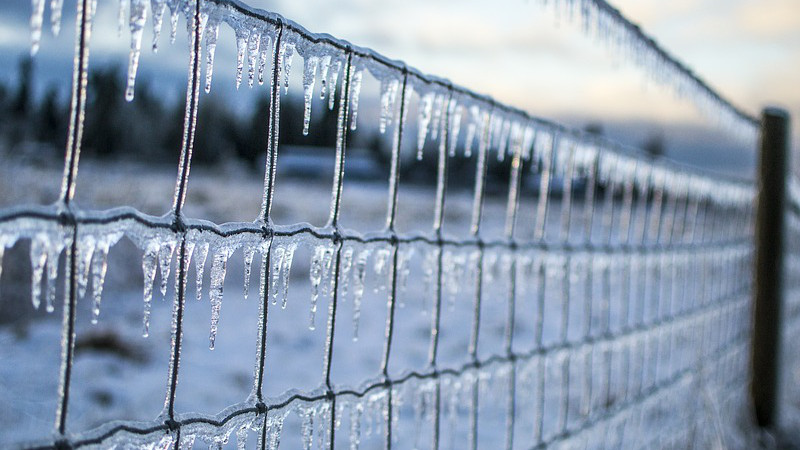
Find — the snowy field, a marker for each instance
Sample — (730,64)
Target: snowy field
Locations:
(119,375)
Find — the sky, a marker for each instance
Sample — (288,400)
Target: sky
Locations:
(529,55)
(518,51)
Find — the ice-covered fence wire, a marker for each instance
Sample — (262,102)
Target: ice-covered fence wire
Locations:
(653,256)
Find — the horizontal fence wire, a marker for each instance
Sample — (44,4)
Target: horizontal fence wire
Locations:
(632,278)
(608,24)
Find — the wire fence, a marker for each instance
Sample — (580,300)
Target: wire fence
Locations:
(626,295)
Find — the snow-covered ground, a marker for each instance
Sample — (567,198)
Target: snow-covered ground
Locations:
(119,375)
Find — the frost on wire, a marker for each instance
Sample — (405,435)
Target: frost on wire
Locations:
(676,206)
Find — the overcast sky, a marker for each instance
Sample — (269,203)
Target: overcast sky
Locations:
(517,50)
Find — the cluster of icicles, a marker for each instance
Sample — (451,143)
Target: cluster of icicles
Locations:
(363,419)
(452,270)
(254,41)
(442,112)
(160,247)
(602,21)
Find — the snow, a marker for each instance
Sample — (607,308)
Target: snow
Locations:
(121,308)
(295,355)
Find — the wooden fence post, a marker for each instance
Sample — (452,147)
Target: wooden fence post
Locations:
(769,241)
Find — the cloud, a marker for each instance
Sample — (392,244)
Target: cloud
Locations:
(770,19)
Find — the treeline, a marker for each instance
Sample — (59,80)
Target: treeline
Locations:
(150,128)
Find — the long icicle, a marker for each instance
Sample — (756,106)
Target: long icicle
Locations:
(137,21)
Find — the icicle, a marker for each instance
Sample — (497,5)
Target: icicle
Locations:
(347,265)
(218,268)
(504,137)
(381,267)
(450,277)
(249,253)
(85,252)
(287,267)
(123,6)
(490,267)
(455,126)
(324,66)
(388,97)
(355,425)
(323,414)
(358,288)
(437,116)
(241,438)
(458,271)
(333,80)
(158,7)
(173,22)
(99,269)
(263,293)
(472,130)
(307,429)
(211,34)
(328,280)
(253,44)
(242,38)
(274,430)
(55,15)
(137,21)
(37,17)
(420,412)
(53,254)
(2,253)
(309,79)
(315,275)
(403,269)
(285,57)
(187,442)
(38,261)
(355,89)
(199,265)
(188,252)
(278,253)
(474,264)
(165,255)
(428,270)
(149,266)
(264,56)
(425,110)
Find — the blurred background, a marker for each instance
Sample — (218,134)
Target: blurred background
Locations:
(523,53)
(526,54)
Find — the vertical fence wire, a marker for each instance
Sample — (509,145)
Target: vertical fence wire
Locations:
(77,114)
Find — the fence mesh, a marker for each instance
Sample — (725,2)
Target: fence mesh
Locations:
(622,300)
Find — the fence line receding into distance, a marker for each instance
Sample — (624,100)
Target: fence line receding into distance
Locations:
(647,263)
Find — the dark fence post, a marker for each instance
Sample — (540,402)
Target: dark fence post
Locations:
(772,178)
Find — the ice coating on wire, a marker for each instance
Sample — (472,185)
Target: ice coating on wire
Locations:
(494,129)
(606,23)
